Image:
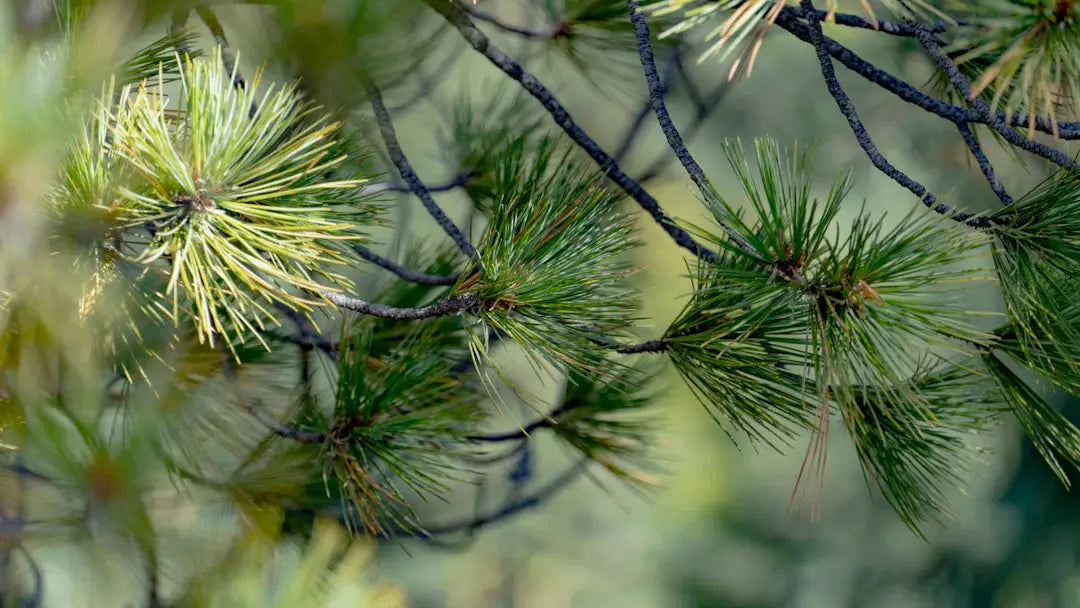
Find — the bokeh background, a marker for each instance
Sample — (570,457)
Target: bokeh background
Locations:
(716,531)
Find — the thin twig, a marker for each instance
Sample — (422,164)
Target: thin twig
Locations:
(963,86)
(453,183)
(984,163)
(888,27)
(656,345)
(264,417)
(526,430)
(847,108)
(522,504)
(453,13)
(671,133)
(450,306)
(701,113)
(408,274)
(397,156)
(524,32)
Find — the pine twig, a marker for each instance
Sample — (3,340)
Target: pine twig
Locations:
(847,108)
(656,345)
(408,274)
(984,163)
(671,132)
(401,162)
(453,183)
(525,431)
(450,306)
(457,17)
(522,504)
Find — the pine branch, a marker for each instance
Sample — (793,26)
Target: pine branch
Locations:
(847,108)
(961,83)
(888,27)
(397,156)
(408,274)
(984,164)
(656,345)
(671,133)
(789,20)
(453,13)
(512,508)
(450,306)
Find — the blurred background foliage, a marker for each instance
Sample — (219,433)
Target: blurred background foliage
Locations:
(715,531)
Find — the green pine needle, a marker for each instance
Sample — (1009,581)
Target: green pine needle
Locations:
(1023,55)
(551,269)
(1052,434)
(398,419)
(231,188)
(797,317)
(603,419)
(1038,261)
(914,458)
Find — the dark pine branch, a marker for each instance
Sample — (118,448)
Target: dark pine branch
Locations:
(702,111)
(888,27)
(525,431)
(656,345)
(453,13)
(512,508)
(847,108)
(408,274)
(450,306)
(963,86)
(671,133)
(397,156)
(984,163)
(790,20)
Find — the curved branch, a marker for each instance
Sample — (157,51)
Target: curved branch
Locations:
(789,20)
(847,108)
(671,133)
(397,156)
(450,306)
(408,274)
(276,427)
(452,12)
(522,504)
(984,164)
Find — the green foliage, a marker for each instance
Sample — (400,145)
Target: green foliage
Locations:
(481,135)
(551,269)
(799,317)
(1022,55)
(328,570)
(605,419)
(235,198)
(1037,256)
(398,418)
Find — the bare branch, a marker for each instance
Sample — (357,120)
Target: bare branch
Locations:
(453,13)
(397,156)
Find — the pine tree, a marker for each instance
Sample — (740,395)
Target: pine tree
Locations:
(181,324)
